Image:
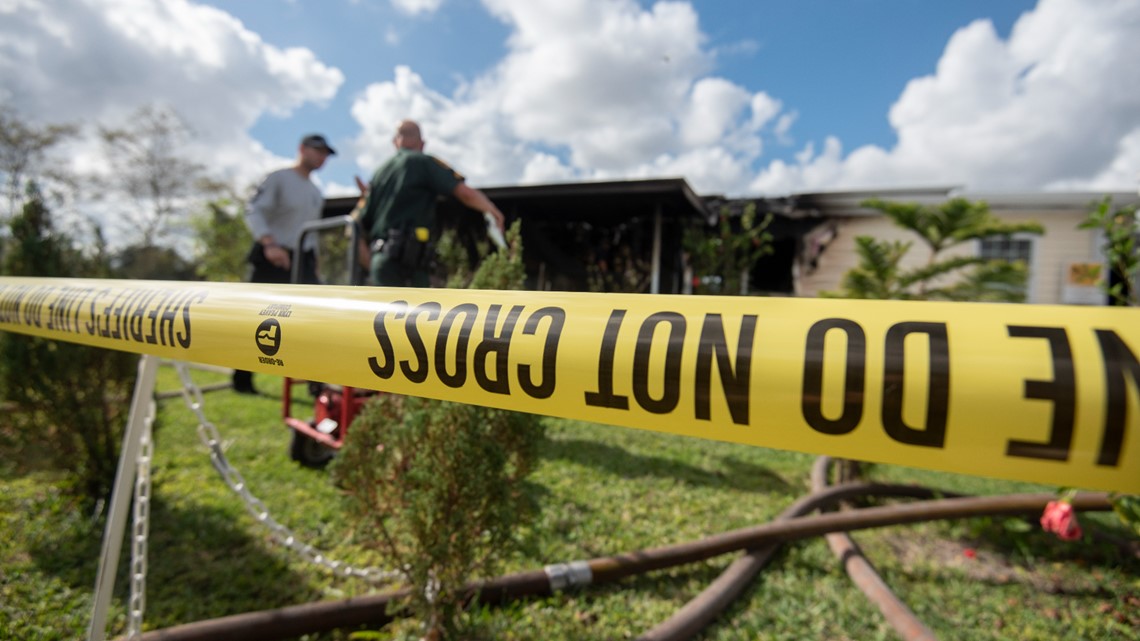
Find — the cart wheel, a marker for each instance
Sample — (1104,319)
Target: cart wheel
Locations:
(309,452)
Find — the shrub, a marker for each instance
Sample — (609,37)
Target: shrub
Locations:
(70,399)
(723,255)
(438,487)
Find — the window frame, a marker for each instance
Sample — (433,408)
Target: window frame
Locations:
(1030,265)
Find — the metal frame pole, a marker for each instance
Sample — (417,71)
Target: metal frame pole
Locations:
(121,495)
(655,281)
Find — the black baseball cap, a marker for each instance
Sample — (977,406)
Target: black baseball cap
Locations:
(317,141)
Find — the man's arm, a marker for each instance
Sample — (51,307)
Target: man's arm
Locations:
(478,201)
(257,217)
(363,251)
(363,228)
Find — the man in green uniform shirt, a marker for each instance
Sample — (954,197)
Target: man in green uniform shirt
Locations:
(398,219)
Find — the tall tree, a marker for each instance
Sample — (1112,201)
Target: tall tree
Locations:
(880,274)
(148,165)
(25,154)
(222,240)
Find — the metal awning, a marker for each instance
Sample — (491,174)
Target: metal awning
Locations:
(587,201)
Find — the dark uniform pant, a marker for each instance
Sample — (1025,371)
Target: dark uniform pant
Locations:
(387,271)
(403,259)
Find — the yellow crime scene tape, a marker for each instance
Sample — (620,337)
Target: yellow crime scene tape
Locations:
(1047,394)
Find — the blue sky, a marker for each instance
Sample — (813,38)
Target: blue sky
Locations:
(738,96)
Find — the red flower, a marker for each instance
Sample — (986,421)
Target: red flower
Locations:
(970,553)
(1060,519)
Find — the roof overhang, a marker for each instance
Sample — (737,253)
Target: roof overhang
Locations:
(601,201)
(848,203)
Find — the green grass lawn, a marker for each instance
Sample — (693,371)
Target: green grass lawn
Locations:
(603,490)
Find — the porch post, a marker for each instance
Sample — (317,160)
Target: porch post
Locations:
(655,282)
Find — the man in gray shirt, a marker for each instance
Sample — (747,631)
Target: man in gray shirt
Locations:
(284,202)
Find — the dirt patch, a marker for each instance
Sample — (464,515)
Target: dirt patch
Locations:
(918,554)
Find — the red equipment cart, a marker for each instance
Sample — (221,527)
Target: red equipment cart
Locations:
(317,439)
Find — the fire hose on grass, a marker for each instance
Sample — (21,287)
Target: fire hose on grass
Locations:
(292,621)
(699,612)
(864,575)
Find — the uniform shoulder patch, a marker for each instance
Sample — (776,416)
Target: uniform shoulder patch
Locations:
(458,176)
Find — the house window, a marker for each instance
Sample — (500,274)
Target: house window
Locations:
(1007,248)
(1011,249)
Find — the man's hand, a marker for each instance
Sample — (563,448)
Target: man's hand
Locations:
(495,229)
(363,253)
(358,209)
(277,255)
(499,220)
(478,201)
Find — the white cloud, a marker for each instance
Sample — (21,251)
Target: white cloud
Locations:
(1123,173)
(467,133)
(611,72)
(746,47)
(545,168)
(604,89)
(337,190)
(784,127)
(615,89)
(1053,106)
(97,61)
(415,7)
(710,169)
(714,106)
(618,90)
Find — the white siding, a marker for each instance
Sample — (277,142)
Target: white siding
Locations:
(1062,243)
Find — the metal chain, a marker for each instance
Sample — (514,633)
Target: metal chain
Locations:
(209,435)
(140,529)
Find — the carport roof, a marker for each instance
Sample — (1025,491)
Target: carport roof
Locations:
(597,201)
